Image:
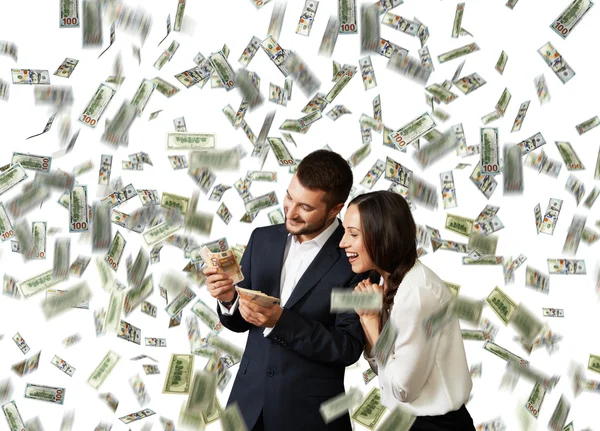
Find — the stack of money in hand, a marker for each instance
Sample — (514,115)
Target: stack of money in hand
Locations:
(225,260)
(257,297)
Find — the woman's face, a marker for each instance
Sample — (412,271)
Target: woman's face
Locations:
(352,242)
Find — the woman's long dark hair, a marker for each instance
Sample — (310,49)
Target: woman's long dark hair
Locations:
(390,236)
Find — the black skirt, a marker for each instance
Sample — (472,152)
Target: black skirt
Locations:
(457,420)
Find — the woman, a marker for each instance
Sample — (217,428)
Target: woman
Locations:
(431,377)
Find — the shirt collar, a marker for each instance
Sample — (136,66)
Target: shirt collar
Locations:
(322,238)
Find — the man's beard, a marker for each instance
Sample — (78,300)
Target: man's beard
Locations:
(308,228)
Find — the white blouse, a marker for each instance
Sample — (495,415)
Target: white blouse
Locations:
(427,377)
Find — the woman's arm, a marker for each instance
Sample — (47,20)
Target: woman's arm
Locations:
(370,327)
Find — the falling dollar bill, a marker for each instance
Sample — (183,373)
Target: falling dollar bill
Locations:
(100,100)
(570,17)
(78,209)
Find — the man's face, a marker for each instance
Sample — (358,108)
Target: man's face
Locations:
(304,209)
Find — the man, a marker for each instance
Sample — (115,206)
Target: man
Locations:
(296,353)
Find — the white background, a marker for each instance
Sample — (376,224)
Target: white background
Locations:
(33,26)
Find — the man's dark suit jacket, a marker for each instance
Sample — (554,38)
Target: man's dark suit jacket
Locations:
(301,363)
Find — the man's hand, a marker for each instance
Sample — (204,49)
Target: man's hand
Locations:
(219,284)
(258,315)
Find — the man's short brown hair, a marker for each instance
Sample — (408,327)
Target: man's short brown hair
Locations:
(328,171)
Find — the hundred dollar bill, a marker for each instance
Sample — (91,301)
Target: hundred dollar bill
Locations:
(179,15)
(551,216)
(532,143)
(399,419)
(501,352)
(112,318)
(469,83)
(38,231)
(179,374)
(559,416)
(501,63)
(541,88)
(60,268)
(520,116)
(536,397)
(113,257)
(490,153)
(448,189)
(21,344)
(31,161)
(557,63)
(30,76)
(553,312)
(566,266)
(45,393)
(117,130)
(370,411)
(225,346)
(66,68)
(6,228)
(502,304)
(307,18)
(180,301)
(142,95)
(98,103)
(164,88)
(460,225)
(38,283)
(347,73)
(105,169)
(413,130)
(172,201)
(92,23)
(576,187)
(587,125)
(503,102)
(347,16)
(160,232)
(330,36)
(207,315)
(120,196)
(249,51)
(284,158)
(460,9)
(335,407)
(103,369)
(594,363)
(373,175)
(574,234)
(11,177)
(589,201)
(216,160)
(261,202)
(513,169)
(137,294)
(367,72)
(440,93)
(232,419)
(385,343)
(570,17)
(223,70)
(132,417)
(130,333)
(347,300)
(459,52)
(526,324)
(596,172)
(78,209)
(13,417)
(190,141)
(54,305)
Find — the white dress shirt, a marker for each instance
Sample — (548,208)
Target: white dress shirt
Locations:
(431,377)
(296,259)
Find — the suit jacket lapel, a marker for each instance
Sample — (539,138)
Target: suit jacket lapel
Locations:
(279,251)
(322,262)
